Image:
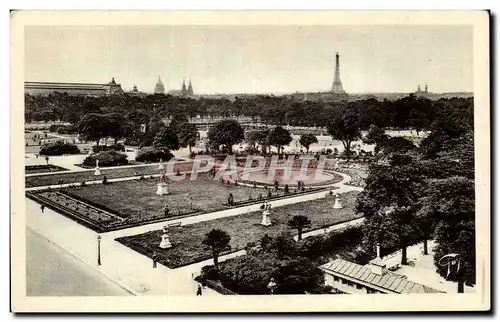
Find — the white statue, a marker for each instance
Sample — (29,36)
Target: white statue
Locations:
(165,241)
(161,166)
(266,220)
(338,204)
(97,169)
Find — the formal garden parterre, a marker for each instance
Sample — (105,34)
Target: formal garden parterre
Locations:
(244,229)
(111,206)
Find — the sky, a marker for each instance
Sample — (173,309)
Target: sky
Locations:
(254,59)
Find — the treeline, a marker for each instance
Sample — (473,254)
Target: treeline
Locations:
(410,112)
(415,194)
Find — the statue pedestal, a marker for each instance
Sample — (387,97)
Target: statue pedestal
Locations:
(165,242)
(162,189)
(97,171)
(266,221)
(338,204)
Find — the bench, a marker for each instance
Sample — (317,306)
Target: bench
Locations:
(175,224)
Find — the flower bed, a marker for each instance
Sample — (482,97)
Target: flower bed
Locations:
(41,168)
(95,216)
(243,229)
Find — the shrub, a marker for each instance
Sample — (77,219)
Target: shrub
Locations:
(118,147)
(133,141)
(152,154)
(59,148)
(63,129)
(106,159)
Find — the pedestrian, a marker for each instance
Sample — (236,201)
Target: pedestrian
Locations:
(198,292)
(155,259)
(43,208)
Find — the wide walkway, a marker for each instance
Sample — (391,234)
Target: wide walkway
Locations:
(422,269)
(51,271)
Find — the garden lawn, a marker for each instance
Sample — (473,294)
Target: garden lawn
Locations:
(243,229)
(77,177)
(138,198)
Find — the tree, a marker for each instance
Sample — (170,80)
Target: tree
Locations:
(252,138)
(93,127)
(390,202)
(226,133)
(262,138)
(178,121)
(217,240)
(452,201)
(299,222)
(166,139)
(345,127)
(283,244)
(307,139)
(395,144)
(377,136)
(117,126)
(188,134)
(417,120)
(279,137)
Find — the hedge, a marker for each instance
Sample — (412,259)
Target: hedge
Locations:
(63,129)
(59,148)
(106,159)
(152,154)
(118,147)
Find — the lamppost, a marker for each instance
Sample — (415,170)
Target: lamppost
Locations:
(99,250)
(452,262)
(272,285)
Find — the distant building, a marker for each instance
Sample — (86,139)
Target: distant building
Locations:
(421,92)
(184,91)
(135,92)
(373,278)
(159,87)
(87,89)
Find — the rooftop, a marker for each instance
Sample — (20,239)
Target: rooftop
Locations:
(389,281)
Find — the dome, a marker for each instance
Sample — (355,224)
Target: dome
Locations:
(159,88)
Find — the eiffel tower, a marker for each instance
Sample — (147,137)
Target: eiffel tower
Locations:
(337,87)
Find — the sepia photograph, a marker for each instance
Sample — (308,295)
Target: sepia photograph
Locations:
(287,161)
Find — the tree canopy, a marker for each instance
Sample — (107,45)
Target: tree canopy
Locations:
(345,127)
(226,133)
(307,139)
(218,240)
(280,137)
